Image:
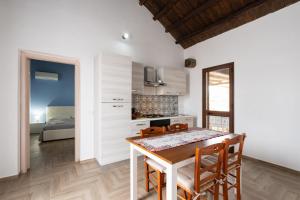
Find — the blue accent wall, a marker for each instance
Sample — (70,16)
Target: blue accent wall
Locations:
(50,93)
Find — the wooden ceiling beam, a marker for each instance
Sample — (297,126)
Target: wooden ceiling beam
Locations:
(248,10)
(197,10)
(142,2)
(165,9)
(221,21)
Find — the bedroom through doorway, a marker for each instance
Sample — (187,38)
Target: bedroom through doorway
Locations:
(52,113)
(49,111)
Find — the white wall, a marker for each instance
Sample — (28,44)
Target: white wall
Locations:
(267,83)
(75,28)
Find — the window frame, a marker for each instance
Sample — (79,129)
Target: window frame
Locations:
(205,95)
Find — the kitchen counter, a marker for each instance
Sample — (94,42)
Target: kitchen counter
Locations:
(158,118)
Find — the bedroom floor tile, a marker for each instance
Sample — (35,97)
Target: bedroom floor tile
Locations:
(48,154)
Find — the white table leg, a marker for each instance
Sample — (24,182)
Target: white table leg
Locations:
(133,173)
(171,182)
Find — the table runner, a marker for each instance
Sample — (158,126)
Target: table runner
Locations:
(177,139)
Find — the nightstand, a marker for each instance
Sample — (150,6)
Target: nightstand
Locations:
(36,127)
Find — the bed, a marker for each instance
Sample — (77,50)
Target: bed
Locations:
(60,123)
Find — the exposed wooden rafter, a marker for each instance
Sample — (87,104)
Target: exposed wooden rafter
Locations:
(165,9)
(142,2)
(223,20)
(194,21)
(197,10)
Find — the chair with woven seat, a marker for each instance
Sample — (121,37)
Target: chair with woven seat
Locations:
(196,181)
(178,127)
(152,166)
(231,164)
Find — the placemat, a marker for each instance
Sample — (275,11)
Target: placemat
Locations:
(177,139)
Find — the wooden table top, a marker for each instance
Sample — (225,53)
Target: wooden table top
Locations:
(180,153)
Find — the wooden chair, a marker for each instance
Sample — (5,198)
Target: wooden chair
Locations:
(178,127)
(231,165)
(195,181)
(151,166)
(152,131)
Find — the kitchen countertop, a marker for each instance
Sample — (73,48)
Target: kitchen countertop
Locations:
(157,118)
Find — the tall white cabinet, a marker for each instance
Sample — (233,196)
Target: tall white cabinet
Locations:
(113,78)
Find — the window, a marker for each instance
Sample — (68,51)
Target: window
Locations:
(218,97)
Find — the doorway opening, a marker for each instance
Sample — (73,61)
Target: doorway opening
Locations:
(218,97)
(49,110)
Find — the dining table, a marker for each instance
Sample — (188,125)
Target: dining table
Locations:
(170,158)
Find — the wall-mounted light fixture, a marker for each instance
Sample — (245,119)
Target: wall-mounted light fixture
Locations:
(125,36)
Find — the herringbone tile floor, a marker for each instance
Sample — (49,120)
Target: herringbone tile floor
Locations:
(54,176)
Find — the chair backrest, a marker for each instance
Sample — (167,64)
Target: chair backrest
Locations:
(178,127)
(213,169)
(233,158)
(152,131)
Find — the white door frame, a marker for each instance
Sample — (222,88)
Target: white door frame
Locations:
(24,102)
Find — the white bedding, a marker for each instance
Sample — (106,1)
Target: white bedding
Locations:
(60,123)
(59,134)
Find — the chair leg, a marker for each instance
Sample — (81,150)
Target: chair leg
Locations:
(146,176)
(184,193)
(216,191)
(238,183)
(225,190)
(160,180)
(189,196)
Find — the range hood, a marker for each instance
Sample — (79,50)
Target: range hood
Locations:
(151,77)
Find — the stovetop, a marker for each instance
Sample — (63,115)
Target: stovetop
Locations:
(153,116)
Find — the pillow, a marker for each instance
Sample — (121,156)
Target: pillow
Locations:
(55,121)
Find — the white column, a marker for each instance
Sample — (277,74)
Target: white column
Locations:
(171,182)
(133,173)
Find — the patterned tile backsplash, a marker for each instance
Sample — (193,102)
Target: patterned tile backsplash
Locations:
(154,104)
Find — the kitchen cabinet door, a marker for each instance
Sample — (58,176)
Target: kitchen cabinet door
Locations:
(137,126)
(183,120)
(137,78)
(175,120)
(115,128)
(115,76)
(175,80)
(188,120)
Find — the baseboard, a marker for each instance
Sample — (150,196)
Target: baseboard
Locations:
(113,159)
(87,161)
(273,165)
(8,178)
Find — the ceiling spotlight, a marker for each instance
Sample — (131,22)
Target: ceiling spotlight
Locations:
(125,36)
